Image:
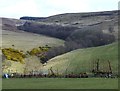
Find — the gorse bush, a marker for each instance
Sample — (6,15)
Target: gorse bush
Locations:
(13,55)
(35,51)
(40,50)
(18,55)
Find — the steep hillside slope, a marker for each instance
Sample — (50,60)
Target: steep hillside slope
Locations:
(82,60)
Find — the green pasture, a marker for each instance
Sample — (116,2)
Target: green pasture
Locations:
(60,83)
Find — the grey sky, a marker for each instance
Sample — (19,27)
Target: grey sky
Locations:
(43,8)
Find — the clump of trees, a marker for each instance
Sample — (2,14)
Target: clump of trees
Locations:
(13,55)
(57,31)
(89,38)
(32,18)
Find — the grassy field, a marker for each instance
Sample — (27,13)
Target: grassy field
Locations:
(60,83)
(81,60)
(26,41)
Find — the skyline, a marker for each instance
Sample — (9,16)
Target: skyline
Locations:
(45,8)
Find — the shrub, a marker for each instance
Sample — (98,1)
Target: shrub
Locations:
(14,55)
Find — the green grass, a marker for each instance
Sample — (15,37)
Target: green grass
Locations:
(81,60)
(60,83)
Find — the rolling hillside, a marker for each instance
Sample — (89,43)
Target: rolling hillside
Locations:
(78,19)
(73,30)
(81,60)
(25,41)
(107,21)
